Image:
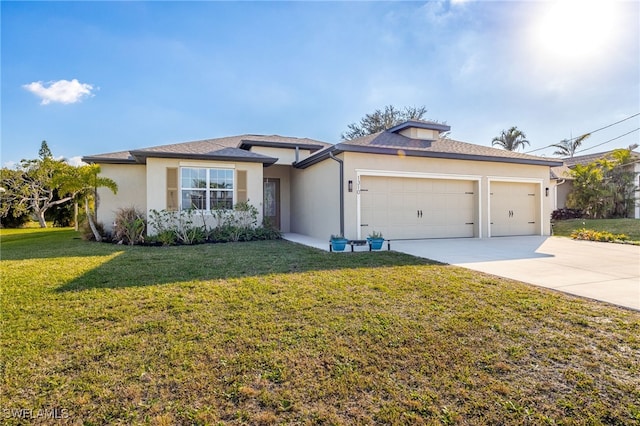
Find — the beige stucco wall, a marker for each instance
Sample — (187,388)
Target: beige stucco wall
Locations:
(131,181)
(485,170)
(156,175)
(562,191)
(315,200)
(284,174)
(284,155)
(416,133)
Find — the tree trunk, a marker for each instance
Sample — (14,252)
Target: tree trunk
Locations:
(92,225)
(75,216)
(43,223)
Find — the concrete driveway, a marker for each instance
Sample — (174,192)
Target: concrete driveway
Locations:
(602,271)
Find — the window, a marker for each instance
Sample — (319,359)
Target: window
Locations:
(206,189)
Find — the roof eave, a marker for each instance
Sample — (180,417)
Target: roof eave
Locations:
(247,144)
(318,157)
(143,155)
(345,147)
(103,160)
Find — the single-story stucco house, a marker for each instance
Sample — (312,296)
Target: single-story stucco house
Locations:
(406,182)
(564,181)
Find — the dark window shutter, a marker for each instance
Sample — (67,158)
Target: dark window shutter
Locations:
(172,188)
(241,186)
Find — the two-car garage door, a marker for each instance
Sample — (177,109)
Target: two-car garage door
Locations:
(402,207)
(408,207)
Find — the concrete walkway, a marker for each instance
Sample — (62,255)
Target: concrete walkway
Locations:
(602,271)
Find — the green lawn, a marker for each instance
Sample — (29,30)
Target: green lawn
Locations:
(275,333)
(630,227)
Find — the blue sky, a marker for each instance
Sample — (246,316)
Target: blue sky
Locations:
(95,77)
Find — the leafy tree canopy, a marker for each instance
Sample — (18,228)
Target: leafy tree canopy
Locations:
(604,188)
(37,185)
(381,120)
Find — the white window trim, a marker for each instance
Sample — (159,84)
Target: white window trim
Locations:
(207,189)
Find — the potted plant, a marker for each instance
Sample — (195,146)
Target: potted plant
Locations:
(338,242)
(375,240)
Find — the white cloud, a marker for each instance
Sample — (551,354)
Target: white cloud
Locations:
(76,161)
(62,91)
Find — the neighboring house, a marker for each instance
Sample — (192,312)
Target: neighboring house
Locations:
(564,181)
(406,182)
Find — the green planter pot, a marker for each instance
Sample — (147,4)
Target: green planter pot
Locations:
(338,244)
(375,243)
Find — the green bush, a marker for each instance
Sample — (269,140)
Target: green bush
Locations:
(166,237)
(87,234)
(129,226)
(234,225)
(14,219)
(593,235)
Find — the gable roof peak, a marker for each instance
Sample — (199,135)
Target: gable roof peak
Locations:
(420,124)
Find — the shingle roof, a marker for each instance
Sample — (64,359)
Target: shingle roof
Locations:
(589,158)
(221,148)
(562,172)
(237,148)
(386,142)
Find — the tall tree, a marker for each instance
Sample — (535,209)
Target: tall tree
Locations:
(44,151)
(37,185)
(33,187)
(511,140)
(568,147)
(381,120)
(620,180)
(83,183)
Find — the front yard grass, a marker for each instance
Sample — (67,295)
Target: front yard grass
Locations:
(629,227)
(271,332)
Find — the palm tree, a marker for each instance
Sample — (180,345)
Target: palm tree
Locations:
(83,182)
(568,147)
(511,139)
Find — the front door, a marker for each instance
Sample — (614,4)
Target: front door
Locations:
(271,204)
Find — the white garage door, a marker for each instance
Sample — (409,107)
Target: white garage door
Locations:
(515,208)
(417,208)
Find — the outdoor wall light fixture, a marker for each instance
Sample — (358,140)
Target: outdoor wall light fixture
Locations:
(546,192)
(350,186)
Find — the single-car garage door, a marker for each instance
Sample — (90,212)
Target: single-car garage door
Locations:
(514,208)
(417,208)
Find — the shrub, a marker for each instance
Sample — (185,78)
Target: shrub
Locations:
(592,235)
(13,219)
(87,234)
(234,225)
(563,214)
(266,233)
(129,226)
(176,227)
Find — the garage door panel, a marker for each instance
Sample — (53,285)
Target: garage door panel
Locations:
(514,208)
(418,208)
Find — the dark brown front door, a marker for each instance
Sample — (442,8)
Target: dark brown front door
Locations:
(271,204)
